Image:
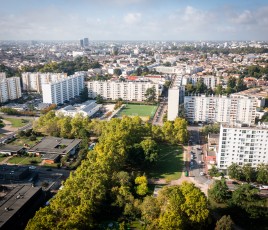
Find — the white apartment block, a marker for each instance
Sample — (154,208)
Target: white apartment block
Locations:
(10,88)
(209,80)
(58,92)
(223,109)
(243,145)
(175,97)
(34,81)
(127,90)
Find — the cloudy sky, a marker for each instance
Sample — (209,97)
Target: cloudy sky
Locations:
(134,19)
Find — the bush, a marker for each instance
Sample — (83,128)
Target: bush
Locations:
(32,138)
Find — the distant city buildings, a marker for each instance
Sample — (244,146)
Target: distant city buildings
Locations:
(34,81)
(127,90)
(10,88)
(242,145)
(64,89)
(84,43)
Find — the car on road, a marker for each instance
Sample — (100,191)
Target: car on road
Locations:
(202,174)
(200,162)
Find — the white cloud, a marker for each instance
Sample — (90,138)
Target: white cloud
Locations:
(132,18)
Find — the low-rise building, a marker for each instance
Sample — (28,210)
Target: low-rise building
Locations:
(55,145)
(86,109)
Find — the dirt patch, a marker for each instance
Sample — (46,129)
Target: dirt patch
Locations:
(7,129)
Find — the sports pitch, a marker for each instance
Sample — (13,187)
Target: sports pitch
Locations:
(138,110)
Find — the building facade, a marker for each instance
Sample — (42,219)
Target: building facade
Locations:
(209,80)
(58,92)
(34,81)
(223,109)
(10,88)
(127,90)
(243,145)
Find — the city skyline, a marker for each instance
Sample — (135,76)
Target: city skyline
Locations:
(134,20)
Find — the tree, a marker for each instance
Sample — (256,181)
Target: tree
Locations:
(225,223)
(150,149)
(142,188)
(240,85)
(248,172)
(219,191)
(150,210)
(200,87)
(213,172)
(99,99)
(219,90)
(262,173)
(182,207)
(235,171)
(150,94)
(84,95)
(117,72)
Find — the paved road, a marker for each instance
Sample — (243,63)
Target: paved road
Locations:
(195,156)
(159,114)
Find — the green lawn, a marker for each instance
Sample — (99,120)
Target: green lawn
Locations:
(24,160)
(17,122)
(170,163)
(138,110)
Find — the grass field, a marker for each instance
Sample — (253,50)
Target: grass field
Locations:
(24,160)
(17,123)
(170,164)
(138,110)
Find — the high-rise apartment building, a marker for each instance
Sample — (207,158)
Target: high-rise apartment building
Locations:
(127,90)
(34,81)
(82,43)
(10,88)
(233,109)
(242,145)
(64,89)
(209,80)
(86,42)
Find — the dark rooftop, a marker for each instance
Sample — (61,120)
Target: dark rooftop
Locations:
(14,200)
(55,145)
(10,148)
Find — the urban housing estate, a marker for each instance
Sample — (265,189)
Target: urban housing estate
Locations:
(10,88)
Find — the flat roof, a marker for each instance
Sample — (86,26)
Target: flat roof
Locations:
(55,145)
(15,199)
(50,156)
(10,148)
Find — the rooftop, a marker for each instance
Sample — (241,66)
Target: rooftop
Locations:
(55,145)
(14,199)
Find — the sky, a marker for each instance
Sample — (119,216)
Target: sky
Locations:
(134,19)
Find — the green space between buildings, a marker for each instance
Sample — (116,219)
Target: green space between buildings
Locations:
(170,163)
(17,122)
(138,110)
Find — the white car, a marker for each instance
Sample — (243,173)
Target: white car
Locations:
(202,174)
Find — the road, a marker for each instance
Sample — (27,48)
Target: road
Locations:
(195,156)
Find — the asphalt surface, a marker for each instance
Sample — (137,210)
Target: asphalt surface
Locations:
(195,156)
